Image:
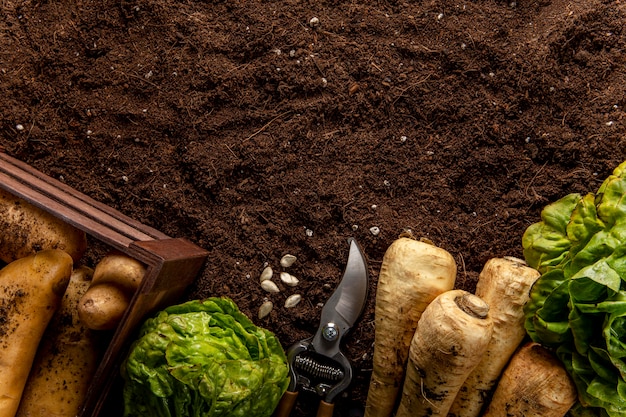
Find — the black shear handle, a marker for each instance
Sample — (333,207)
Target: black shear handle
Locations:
(287,402)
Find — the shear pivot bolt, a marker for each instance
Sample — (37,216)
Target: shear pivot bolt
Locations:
(330,332)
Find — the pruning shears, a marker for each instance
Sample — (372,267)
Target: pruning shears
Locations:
(317,364)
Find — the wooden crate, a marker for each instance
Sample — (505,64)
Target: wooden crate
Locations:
(172,263)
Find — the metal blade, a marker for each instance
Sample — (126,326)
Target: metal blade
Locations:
(352,290)
(344,307)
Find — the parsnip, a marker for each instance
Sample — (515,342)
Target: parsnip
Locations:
(451,338)
(534,384)
(116,278)
(66,360)
(504,284)
(412,274)
(31,289)
(27,229)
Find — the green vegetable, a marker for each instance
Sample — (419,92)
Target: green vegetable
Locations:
(578,305)
(203,358)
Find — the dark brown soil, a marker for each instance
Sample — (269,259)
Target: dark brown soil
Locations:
(241,126)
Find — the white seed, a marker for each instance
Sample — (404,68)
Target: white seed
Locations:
(266,274)
(314,21)
(270,286)
(287,260)
(265,309)
(374,230)
(289,279)
(292,300)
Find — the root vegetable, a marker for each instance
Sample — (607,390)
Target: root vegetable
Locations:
(31,289)
(66,360)
(534,384)
(27,229)
(451,338)
(116,278)
(504,284)
(412,274)
(103,306)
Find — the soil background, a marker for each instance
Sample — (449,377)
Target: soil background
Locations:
(255,131)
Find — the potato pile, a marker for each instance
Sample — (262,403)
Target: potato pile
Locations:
(54,312)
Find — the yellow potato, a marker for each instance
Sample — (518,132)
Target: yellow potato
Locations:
(31,290)
(120,270)
(66,360)
(27,229)
(102,307)
(115,279)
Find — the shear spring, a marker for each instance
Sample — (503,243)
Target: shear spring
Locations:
(317,369)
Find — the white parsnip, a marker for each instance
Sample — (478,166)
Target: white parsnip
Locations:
(534,384)
(412,274)
(451,338)
(504,284)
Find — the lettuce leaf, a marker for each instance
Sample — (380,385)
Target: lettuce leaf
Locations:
(578,305)
(203,358)
(546,243)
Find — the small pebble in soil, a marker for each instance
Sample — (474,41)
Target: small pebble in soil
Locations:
(19,127)
(265,309)
(314,22)
(270,286)
(289,279)
(374,230)
(267,273)
(292,300)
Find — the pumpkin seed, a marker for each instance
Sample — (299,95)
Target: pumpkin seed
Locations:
(287,260)
(267,273)
(292,300)
(270,286)
(289,279)
(265,309)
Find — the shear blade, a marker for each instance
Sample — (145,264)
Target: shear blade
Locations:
(346,304)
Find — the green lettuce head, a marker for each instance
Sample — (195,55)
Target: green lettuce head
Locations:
(203,358)
(578,305)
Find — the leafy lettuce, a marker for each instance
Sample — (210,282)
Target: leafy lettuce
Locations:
(203,358)
(578,305)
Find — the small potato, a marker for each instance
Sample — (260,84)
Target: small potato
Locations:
(31,290)
(102,306)
(120,270)
(115,280)
(66,360)
(27,229)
